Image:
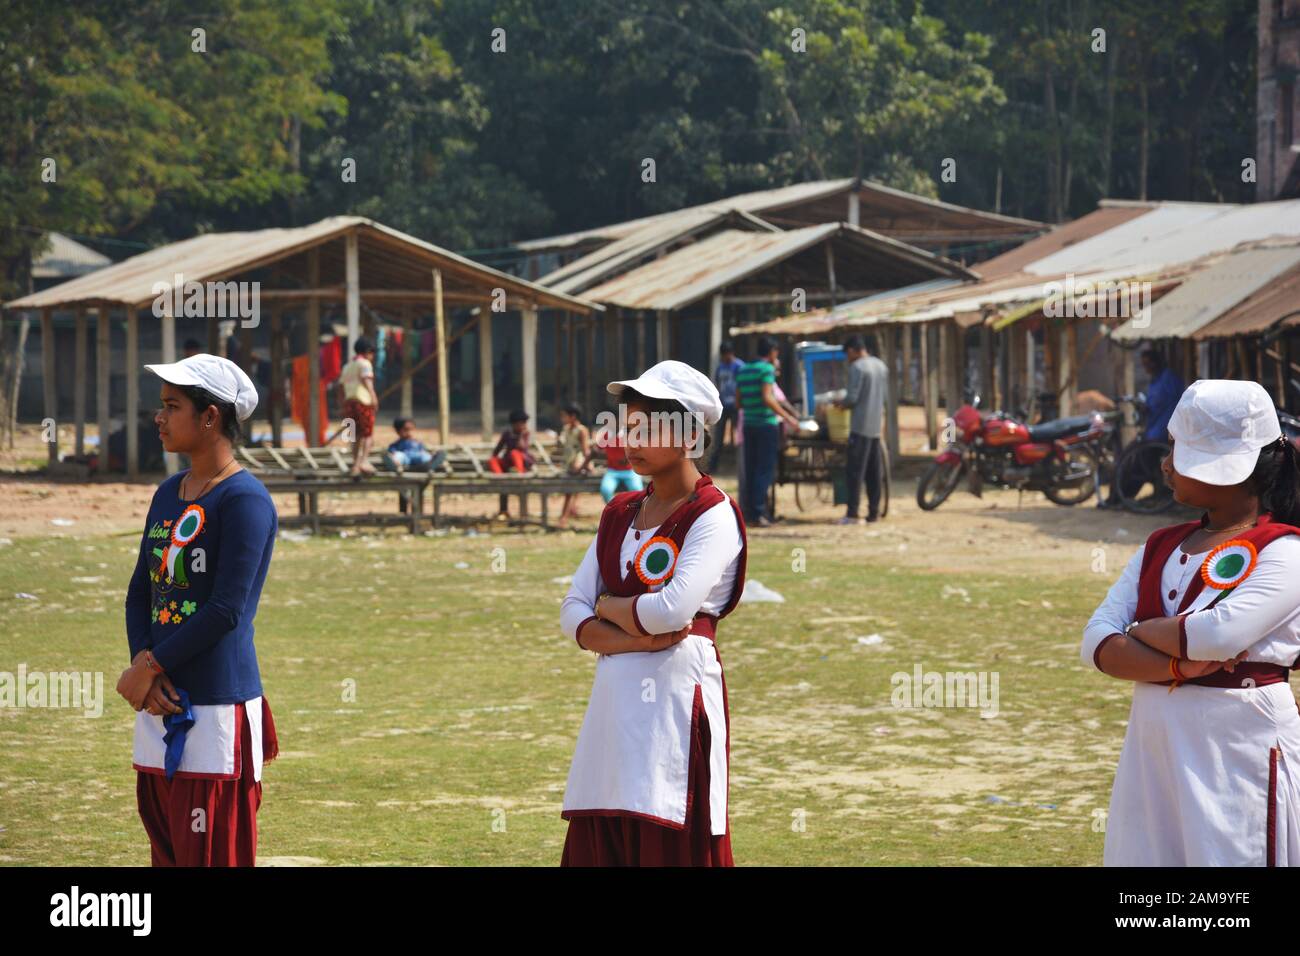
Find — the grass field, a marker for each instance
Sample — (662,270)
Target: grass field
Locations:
(469,700)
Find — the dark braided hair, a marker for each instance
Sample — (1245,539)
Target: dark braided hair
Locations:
(1276,479)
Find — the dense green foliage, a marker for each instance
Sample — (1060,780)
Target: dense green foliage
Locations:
(472,145)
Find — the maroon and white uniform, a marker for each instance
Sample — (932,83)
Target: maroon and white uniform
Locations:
(648,783)
(1210,771)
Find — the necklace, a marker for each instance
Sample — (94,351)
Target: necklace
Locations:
(641,506)
(181,491)
(1235,527)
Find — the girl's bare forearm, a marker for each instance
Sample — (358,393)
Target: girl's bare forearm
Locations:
(1129,659)
(602,637)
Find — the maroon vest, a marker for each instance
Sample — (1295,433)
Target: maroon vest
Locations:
(1150,604)
(617,518)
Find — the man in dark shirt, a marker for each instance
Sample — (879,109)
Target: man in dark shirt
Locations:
(1163,393)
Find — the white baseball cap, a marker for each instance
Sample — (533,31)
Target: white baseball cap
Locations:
(679,382)
(1219,426)
(223,378)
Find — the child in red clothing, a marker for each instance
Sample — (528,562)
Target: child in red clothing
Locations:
(512,452)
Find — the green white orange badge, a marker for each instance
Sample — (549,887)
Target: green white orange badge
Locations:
(185,530)
(655,561)
(1223,569)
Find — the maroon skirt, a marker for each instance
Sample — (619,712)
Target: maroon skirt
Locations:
(625,839)
(225,833)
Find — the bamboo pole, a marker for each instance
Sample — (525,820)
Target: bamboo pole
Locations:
(79,383)
(440,332)
(103,378)
(315,414)
(486,395)
(132,392)
(49,383)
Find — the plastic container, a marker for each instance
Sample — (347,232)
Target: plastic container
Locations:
(837,423)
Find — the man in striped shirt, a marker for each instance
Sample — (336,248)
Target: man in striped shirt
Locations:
(755,391)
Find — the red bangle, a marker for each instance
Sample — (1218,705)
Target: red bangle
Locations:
(1173,669)
(151,662)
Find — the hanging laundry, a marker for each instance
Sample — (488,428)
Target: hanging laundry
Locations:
(331,360)
(299,407)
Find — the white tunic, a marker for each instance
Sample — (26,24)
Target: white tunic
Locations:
(633,750)
(1193,783)
(211,750)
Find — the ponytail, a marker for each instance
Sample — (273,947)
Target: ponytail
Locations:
(1276,479)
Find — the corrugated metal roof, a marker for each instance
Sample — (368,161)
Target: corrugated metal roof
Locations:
(1174,233)
(608,260)
(1209,292)
(706,267)
(66,257)
(1062,237)
(1276,303)
(1120,241)
(767,200)
(220,256)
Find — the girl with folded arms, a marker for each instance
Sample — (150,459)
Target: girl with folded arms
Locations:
(648,783)
(1205,621)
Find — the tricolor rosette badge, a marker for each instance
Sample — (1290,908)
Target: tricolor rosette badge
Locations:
(185,530)
(1229,564)
(655,561)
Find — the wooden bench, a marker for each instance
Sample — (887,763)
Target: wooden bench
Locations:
(309,472)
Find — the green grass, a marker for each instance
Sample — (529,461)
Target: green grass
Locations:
(469,701)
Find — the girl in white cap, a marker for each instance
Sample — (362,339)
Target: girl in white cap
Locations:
(203,729)
(648,783)
(1205,620)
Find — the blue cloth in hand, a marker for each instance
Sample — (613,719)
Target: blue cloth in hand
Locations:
(177,726)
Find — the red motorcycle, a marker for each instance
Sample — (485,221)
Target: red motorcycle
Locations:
(1058,458)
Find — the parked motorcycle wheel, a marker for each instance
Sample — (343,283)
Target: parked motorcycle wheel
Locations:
(939,481)
(1139,481)
(1070,486)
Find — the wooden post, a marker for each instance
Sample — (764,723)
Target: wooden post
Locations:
(216,346)
(617,321)
(352,278)
(275,393)
(408,383)
(830,270)
(715,333)
(661,335)
(854,213)
(930,381)
(888,354)
(988,367)
(1067,368)
(315,414)
(640,342)
(905,391)
(486,395)
(529,328)
(103,378)
(79,383)
(440,333)
(49,383)
(171,461)
(132,392)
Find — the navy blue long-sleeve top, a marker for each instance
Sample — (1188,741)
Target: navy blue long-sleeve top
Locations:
(196,585)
